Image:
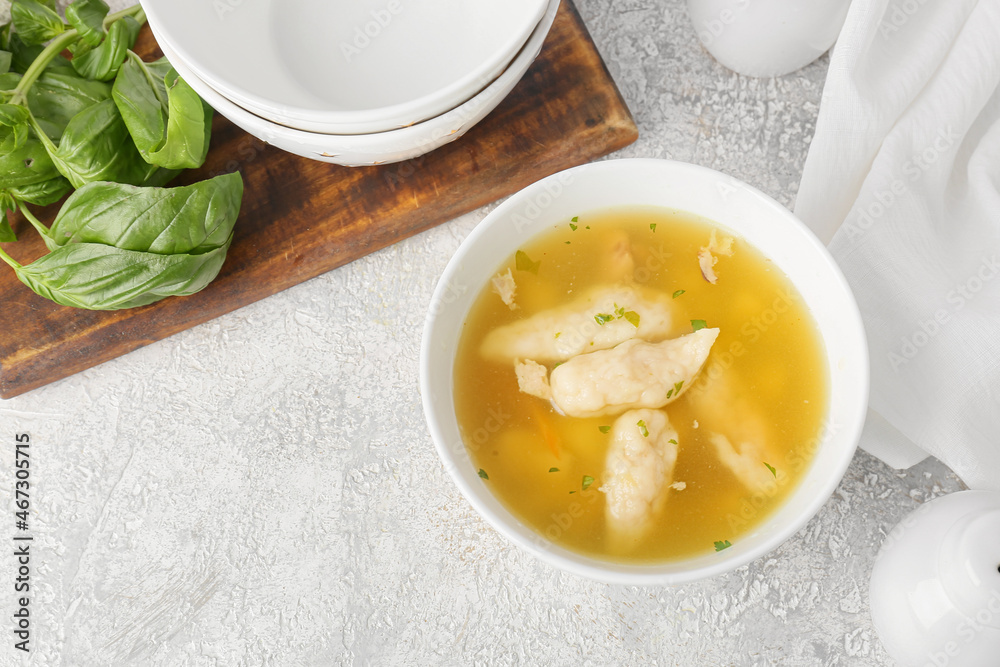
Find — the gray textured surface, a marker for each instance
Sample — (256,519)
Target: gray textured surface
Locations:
(262,490)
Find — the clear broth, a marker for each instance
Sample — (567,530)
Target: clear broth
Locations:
(769,360)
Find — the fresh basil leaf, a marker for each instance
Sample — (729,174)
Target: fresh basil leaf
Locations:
(7,234)
(18,137)
(9,80)
(13,116)
(43,193)
(87,16)
(169,123)
(96,146)
(102,277)
(35,22)
(29,163)
(192,219)
(14,120)
(5,60)
(7,203)
(58,96)
(102,62)
(22,54)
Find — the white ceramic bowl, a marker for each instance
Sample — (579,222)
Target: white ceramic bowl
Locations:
(381,147)
(732,204)
(346,67)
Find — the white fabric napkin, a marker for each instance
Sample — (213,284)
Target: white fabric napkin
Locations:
(903,181)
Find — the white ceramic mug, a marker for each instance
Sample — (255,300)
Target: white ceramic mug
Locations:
(767,37)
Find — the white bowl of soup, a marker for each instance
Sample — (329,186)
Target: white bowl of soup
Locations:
(644,371)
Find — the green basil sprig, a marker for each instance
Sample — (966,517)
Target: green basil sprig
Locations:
(116,129)
(118,246)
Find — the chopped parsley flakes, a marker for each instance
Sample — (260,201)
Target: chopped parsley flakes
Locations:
(771,468)
(482,473)
(604,429)
(678,293)
(642,428)
(719,546)
(587,481)
(524,263)
(697,325)
(620,313)
(553,469)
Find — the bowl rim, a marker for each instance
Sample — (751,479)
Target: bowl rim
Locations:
(385,118)
(648,574)
(373,148)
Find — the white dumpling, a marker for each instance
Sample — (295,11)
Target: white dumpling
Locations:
(560,333)
(635,374)
(744,441)
(746,461)
(639,470)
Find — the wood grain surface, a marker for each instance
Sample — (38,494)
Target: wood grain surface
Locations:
(301,218)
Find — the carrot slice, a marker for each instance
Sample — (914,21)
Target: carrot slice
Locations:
(548,433)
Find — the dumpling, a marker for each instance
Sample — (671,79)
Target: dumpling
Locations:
(560,333)
(743,439)
(635,374)
(639,469)
(746,462)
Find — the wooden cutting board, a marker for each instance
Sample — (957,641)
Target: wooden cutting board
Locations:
(302,218)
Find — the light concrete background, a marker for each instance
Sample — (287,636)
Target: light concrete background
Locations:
(262,489)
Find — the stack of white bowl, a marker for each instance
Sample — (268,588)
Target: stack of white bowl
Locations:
(352,82)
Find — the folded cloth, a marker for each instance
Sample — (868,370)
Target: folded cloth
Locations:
(903,181)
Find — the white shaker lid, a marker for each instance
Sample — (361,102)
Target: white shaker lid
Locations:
(935,586)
